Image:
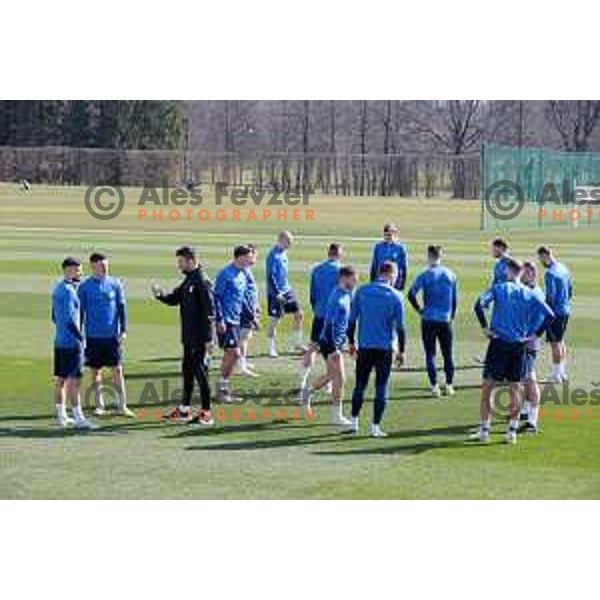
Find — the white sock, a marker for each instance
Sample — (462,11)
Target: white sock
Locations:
(354,421)
(562,367)
(61,411)
(556,372)
(336,412)
(272,344)
(77,413)
(243,362)
(533,413)
(304,375)
(297,337)
(485,424)
(514,424)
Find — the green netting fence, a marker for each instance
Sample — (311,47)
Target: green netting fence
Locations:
(537,187)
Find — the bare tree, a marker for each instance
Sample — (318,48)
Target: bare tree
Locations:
(575,121)
(457,127)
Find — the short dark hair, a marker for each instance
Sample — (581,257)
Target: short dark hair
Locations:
(97,257)
(386,267)
(347,271)
(186,252)
(70,261)
(514,265)
(500,243)
(544,250)
(390,227)
(529,264)
(434,251)
(242,250)
(334,249)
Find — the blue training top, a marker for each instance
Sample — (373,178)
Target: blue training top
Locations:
(229,293)
(277,272)
(440,293)
(66,315)
(337,317)
(323,281)
(379,310)
(103,307)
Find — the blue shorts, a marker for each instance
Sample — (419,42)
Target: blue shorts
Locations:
(248,319)
(289,305)
(327,347)
(529,364)
(68,363)
(102,352)
(230,338)
(555,330)
(316,329)
(504,361)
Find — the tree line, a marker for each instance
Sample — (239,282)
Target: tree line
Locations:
(354,147)
(116,124)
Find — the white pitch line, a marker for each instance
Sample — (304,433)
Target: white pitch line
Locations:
(193,233)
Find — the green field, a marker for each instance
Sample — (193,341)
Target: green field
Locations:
(425,455)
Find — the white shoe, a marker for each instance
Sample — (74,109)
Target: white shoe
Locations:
(341,421)
(305,396)
(511,437)
(205,422)
(84,424)
(435,391)
(273,353)
(248,371)
(554,378)
(100,411)
(354,425)
(64,421)
(482,435)
(449,390)
(376,431)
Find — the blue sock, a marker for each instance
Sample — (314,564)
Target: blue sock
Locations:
(380,400)
(431,370)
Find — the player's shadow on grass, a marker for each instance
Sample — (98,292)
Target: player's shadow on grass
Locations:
(269,444)
(383,447)
(25,417)
(201,430)
(154,375)
(51,432)
(417,448)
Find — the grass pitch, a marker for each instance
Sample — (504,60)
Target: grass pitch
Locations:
(425,455)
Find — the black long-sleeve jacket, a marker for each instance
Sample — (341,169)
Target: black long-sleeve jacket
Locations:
(194,296)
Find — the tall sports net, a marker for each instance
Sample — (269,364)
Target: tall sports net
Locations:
(536,187)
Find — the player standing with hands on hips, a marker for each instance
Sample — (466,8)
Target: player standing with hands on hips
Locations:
(438,287)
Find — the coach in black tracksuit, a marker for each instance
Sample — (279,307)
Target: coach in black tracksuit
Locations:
(194,297)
